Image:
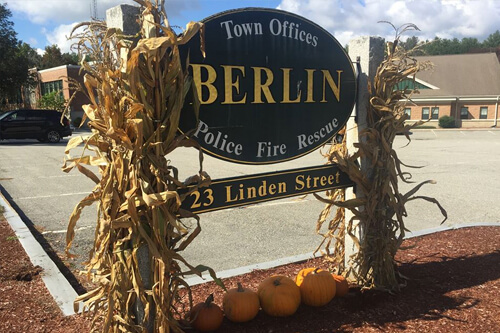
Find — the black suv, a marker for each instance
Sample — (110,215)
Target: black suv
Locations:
(43,125)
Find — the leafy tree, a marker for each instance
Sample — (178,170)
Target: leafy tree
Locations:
(14,62)
(469,45)
(70,58)
(53,101)
(53,57)
(493,40)
(409,43)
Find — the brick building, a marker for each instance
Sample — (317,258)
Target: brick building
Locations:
(57,79)
(463,86)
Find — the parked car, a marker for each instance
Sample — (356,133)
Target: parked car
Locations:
(43,125)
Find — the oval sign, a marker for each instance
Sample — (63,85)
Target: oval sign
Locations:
(273,86)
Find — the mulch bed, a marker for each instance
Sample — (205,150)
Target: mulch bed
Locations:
(453,285)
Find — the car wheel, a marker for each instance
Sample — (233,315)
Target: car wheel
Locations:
(53,136)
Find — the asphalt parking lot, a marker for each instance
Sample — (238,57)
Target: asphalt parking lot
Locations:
(463,162)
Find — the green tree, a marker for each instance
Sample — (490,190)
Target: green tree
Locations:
(53,101)
(469,45)
(493,40)
(14,60)
(53,57)
(409,43)
(70,58)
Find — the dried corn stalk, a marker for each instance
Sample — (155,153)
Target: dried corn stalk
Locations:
(379,206)
(137,89)
(335,231)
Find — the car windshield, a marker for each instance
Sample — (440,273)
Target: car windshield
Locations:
(3,115)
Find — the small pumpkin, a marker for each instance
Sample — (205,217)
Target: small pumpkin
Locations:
(279,296)
(240,304)
(317,286)
(206,316)
(341,285)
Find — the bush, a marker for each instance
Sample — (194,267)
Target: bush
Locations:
(446,122)
(53,101)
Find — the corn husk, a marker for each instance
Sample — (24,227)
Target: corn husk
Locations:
(136,87)
(379,207)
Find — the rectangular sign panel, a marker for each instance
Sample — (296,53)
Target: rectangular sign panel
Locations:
(252,189)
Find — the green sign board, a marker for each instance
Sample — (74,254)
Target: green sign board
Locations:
(252,189)
(273,86)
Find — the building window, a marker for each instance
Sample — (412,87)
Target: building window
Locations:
(425,113)
(410,84)
(435,113)
(483,112)
(48,87)
(464,112)
(408,112)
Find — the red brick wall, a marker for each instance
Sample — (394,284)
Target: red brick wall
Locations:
(416,110)
(62,73)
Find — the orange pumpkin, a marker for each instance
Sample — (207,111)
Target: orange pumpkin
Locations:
(341,285)
(279,296)
(317,287)
(240,304)
(206,316)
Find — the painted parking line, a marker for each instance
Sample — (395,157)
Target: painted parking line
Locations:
(434,132)
(462,133)
(60,176)
(63,231)
(52,195)
(491,132)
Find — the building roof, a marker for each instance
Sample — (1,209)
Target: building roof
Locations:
(58,68)
(460,75)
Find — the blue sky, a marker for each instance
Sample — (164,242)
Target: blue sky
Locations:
(46,22)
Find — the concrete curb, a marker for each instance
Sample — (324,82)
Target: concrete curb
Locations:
(59,287)
(64,294)
(194,280)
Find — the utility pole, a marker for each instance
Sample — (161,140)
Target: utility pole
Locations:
(93,9)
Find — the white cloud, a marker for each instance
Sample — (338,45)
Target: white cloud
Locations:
(346,19)
(57,11)
(59,36)
(52,17)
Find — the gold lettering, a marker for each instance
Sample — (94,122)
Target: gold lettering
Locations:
(228,195)
(262,189)
(251,192)
(272,189)
(315,179)
(229,84)
(327,77)
(242,194)
(331,179)
(299,182)
(260,88)
(310,86)
(286,87)
(323,180)
(212,76)
(282,187)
